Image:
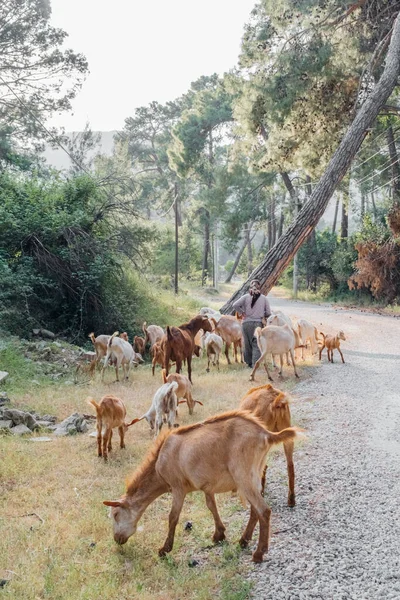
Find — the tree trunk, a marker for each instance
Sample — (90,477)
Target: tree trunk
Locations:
(176,238)
(206,247)
(249,250)
(281,222)
(394,159)
(362,206)
(237,260)
(373,206)
(273,222)
(336,214)
(269,271)
(344,227)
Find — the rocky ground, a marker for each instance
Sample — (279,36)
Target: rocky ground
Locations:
(342,540)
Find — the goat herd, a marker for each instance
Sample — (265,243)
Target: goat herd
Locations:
(225,452)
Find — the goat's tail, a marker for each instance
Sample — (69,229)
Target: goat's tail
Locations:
(164,375)
(135,421)
(93,402)
(323,335)
(110,341)
(284,436)
(257,332)
(169,334)
(91,336)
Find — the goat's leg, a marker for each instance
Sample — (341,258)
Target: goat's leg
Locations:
(189,366)
(263,479)
(235,351)
(106,435)
(190,402)
(178,496)
(258,363)
(153,366)
(263,513)
(294,363)
(208,363)
(320,352)
(178,367)
(109,444)
(227,346)
(217,361)
(99,439)
(340,352)
(281,361)
(219,533)
(248,532)
(121,436)
(288,447)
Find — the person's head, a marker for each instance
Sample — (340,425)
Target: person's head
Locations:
(255,287)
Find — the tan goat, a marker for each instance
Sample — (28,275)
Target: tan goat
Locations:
(111,413)
(275,340)
(230,329)
(331,343)
(223,453)
(272,408)
(184,389)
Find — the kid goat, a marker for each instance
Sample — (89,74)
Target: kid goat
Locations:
(111,413)
(223,453)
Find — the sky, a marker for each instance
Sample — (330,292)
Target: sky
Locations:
(140,51)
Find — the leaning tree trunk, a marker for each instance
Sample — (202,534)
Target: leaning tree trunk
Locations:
(276,260)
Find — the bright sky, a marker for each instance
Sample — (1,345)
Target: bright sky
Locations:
(139,51)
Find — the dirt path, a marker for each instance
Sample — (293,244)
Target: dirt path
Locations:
(343,538)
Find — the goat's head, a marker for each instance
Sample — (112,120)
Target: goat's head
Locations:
(341,335)
(124,518)
(206,325)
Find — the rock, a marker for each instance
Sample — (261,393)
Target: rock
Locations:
(193,562)
(41,439)
(4,399)
(20,430)
(87,355)
(57,345)
(6,424)
(45,424)
(75,423)
(47,334)
(93,434)
(3,376)
(19,417)
(50,418)
(35,331)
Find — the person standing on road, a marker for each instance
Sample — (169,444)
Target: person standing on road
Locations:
(255,307)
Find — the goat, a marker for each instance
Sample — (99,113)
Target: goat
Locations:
(272,408)
(274,340)
(123,353)
(331,343)
(178,343)
(213,345)
(206,311)
(111,413)
(100,344)
(184,389)
(223,453)
(158,356)
(307,331)
(139,345)
(152,334)
(164,402)
(279,319)
(230,330)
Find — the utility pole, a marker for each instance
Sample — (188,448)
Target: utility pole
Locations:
(176,237)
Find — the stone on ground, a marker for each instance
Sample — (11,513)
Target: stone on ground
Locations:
(76,423)
(20,430)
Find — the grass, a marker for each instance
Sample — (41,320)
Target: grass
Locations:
(68,553)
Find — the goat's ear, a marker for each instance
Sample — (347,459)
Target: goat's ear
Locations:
(280,400)
(114,503)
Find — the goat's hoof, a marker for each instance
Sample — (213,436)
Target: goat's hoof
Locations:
(218,537)
(257,556)
(207,370)
(243,543)
(291,500)
(270,378)
(164,550)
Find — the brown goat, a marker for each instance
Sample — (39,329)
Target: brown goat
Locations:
(230,329)
(223,453)
(184,388)
(139,345)
(158,356)
(178,344)
(331,343)
(111,413)
(272,408)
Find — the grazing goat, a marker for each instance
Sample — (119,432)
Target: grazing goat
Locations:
(139,345)
(111,413)
(178,344)
(274,340)
(123,353)
(223,453)
(331,343)
(100,344)
(230,330)
(184,389)
(152,333)
(307,331)
(164,402)
(213,345)
(272,408)
(158,356)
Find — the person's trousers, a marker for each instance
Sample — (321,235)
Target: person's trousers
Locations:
(251,350)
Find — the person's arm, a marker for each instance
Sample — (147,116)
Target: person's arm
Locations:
(267,308)
(239,305)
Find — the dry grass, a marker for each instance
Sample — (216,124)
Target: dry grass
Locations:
(71,554)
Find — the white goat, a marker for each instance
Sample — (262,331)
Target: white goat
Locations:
(213,345)
(274,340)
(206,311)
(152,333)
(123,353)
(307,331)
(165,402)
(279,319)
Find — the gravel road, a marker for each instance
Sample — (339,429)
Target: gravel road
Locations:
(342,540)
